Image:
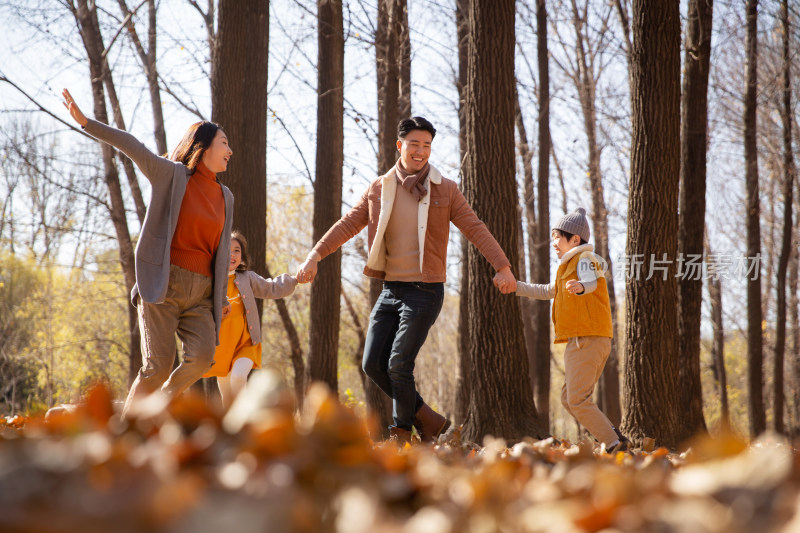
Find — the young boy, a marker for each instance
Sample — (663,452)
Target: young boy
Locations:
(582,319)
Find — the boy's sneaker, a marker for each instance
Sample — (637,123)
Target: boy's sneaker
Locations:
(623,445)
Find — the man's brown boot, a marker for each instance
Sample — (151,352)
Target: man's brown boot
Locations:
(399,435)
(429,423)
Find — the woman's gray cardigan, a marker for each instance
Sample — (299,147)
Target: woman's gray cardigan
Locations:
(168,180)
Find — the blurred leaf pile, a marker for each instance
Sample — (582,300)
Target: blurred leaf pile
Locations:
(259,467)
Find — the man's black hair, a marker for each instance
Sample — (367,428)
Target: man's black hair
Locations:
(567,235)
(414,123)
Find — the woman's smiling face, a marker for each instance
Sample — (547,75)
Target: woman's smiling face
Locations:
(217,155)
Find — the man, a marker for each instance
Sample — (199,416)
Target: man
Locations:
(408,212)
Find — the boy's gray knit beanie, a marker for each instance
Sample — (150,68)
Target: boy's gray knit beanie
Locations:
(575,223)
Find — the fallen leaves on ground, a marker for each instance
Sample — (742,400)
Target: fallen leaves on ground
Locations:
(259,467)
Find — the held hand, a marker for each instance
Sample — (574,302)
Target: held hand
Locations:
(574,286)
(307,271)
(226,311)
(73,108)
(505,281)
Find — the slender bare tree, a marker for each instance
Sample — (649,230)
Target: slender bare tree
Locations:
(325,292)
(694,142)
(540,255)
(529,203)
(389,32)
(718,342)
(295,349)
(586,73)
(148,59)
(463,386)
(786,241)
(755,355)
(89,27)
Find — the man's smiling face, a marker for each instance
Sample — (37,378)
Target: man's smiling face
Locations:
(415,149)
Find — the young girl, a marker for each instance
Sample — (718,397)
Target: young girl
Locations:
(182,254)
(239,349)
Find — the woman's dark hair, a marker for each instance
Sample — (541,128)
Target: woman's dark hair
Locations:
(414,123)
(194,144)
(236,235)
(567,235)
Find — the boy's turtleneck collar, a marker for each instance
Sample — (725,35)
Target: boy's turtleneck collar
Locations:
(578,249)
(203,171)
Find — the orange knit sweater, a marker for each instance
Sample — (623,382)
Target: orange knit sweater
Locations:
(200,223)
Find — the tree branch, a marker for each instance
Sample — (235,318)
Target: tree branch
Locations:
(42,108)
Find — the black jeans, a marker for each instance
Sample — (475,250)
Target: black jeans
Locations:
(398,327)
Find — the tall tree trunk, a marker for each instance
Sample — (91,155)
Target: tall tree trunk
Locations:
(718,343)
(464,380)
(240,108)
(755,356)
(502,401)
(585,84)
(652,388)
(326,290)
(93,43)
(786,244)
(694,126)
(542,248)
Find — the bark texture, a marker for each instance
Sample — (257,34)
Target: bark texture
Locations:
(326,289)
(652,389)
(501,402)
(694,142)
(755,342)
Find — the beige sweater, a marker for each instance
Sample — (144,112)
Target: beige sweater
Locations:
(402,246)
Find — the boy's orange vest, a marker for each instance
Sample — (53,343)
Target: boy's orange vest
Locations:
(580,315)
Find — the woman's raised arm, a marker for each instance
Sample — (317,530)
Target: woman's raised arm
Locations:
(152,166)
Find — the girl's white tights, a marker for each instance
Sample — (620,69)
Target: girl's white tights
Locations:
(231,385)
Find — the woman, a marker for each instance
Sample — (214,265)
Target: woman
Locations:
(182,255)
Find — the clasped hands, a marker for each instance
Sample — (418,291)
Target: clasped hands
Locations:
(505,281)
(307,271)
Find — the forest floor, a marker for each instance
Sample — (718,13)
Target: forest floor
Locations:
(260,467)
